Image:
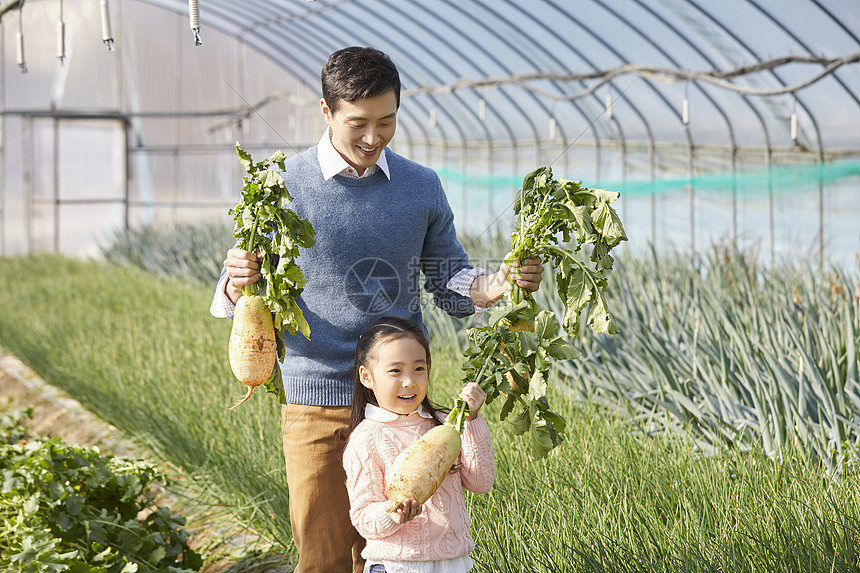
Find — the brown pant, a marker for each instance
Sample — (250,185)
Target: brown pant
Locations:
(314,440)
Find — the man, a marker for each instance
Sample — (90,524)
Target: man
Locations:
(378,218)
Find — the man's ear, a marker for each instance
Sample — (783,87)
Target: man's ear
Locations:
(364,376)
(326,111)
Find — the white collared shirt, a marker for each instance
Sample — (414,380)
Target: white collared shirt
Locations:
(372,412)
(333,163)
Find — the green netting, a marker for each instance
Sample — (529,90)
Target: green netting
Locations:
(780,180)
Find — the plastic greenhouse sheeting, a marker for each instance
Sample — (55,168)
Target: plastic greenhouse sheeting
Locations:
(736,118)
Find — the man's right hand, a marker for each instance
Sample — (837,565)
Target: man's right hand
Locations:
(243,268)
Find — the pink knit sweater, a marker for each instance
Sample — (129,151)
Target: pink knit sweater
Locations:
(441,531)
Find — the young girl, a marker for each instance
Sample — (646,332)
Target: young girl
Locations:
(390,411)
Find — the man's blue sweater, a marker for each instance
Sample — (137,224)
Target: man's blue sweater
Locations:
(372,238)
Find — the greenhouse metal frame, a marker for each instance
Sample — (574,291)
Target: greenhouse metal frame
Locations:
(735,120)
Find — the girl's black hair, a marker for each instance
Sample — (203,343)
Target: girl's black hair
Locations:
(386,328)
(357,73)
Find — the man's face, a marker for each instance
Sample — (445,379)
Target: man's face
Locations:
(361,129)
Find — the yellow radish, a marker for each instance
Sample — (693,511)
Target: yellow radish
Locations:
(253,350)
(263,225)
(418,470)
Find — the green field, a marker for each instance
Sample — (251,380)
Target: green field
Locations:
(656,474)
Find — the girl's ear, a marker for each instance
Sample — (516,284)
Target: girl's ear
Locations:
(364,376)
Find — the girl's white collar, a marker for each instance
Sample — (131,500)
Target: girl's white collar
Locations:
(378,414)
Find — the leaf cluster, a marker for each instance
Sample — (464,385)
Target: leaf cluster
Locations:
(69,508)
(264,224)
(514,353)
(512,357)
(555,219)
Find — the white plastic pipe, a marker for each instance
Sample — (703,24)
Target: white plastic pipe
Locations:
(194,20)
(107,34)
(61,40)
(19,37)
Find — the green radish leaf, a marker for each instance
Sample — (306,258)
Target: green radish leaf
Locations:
(579,289)
(538,385)
(244,158)
(580,218)
(528,343)
(599,318)
(543,438)
(561,349)
(521,422)
(608,224)
(277,157)
(557,422)
(546,325)
(507,408)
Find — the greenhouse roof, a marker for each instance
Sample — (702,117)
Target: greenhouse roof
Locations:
(690,72)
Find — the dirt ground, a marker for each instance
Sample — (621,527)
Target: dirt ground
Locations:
(57,414)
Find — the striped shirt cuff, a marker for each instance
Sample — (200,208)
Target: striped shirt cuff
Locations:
(222,306)
(461,283)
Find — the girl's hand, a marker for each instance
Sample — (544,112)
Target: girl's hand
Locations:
(474,396)
(411,509)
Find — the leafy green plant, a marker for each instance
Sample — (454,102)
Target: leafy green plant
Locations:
(549,211)
(70,508)
(514,354)
(263,224)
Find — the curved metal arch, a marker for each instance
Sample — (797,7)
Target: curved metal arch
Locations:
(525,13)
(224,14)
(751,51)
(588,120)
(614,119)
(837,21)
(745,97)
(430,72)
(803,45)
(776,76)
(320,38)
(645,123)
(492,57)
(703,91)
(672,109)
(648,131)
(755,112)
(277,52)
(707,95)
(255,42)
(468,108)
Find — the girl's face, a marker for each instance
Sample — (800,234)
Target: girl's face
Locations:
(360,130)
(397,374)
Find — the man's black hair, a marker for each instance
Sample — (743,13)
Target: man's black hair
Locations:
(358,73)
